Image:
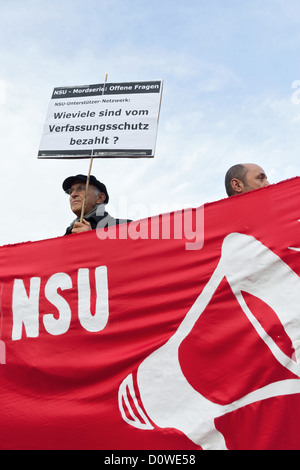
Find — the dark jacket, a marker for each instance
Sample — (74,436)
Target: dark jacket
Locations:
(98,218)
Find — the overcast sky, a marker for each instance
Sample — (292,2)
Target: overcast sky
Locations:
(231,72)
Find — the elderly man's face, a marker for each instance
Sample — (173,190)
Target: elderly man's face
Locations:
(93,197)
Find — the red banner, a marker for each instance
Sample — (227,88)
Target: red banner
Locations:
(180,331)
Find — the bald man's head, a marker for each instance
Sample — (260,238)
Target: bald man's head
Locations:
(244,177)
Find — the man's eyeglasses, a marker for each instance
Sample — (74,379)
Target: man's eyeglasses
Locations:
(78,189)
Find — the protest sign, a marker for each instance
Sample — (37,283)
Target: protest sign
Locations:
(103,120)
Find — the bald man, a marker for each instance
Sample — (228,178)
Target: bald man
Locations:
(244,177)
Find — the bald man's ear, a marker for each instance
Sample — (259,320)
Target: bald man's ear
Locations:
(237,185)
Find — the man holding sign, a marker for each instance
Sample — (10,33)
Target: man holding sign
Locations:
(94,204)
(106,120)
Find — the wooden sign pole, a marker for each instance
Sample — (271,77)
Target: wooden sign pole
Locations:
(86,190)
(88,179)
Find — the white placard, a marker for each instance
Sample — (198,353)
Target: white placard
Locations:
(104,120)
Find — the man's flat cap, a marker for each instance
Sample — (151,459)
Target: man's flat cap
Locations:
(68,183)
